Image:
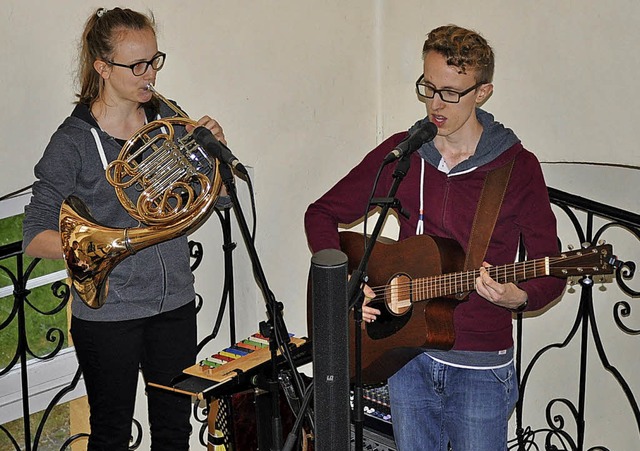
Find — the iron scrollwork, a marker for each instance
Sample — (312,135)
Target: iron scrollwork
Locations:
(557,436)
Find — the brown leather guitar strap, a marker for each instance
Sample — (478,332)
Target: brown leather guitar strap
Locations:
(495,186)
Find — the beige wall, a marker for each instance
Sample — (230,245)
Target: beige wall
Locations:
(565,70)
(305,88)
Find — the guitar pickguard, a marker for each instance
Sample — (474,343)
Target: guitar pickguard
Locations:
(387,323)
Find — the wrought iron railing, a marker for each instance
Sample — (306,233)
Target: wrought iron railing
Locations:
(32,436)
(561,433)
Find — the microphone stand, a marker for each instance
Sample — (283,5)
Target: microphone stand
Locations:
(274,326)
(355,293)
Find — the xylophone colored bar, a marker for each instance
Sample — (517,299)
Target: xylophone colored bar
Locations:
(236,359)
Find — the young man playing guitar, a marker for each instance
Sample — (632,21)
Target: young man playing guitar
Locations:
(463,395)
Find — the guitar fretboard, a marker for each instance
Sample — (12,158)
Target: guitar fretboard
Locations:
(460,282)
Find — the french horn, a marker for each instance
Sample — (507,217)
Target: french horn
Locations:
(168,184)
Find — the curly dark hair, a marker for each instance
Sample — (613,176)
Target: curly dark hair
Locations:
(464,49)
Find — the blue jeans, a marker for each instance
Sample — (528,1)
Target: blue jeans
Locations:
(111,354)
(433,404)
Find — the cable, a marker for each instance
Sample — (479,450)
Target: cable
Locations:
(15,193)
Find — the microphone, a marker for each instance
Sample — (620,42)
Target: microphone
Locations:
(413,142)
(205,138)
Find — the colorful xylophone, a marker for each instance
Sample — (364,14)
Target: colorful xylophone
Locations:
(245,347)
(238,358)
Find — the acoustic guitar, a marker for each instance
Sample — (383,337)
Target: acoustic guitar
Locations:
(419,282)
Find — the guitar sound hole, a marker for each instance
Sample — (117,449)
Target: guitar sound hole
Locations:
(398,294)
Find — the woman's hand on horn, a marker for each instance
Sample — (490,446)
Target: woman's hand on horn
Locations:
(211,124)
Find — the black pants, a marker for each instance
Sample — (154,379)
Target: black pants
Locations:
(111,353)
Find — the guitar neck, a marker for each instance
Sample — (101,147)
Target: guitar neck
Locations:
(462,282)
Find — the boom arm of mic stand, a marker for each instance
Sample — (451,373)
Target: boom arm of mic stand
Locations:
(356,294)
(274,308)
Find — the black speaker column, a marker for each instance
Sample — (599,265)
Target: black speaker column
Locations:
(330,350)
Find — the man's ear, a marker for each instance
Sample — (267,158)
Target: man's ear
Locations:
(103,68)
(484,92)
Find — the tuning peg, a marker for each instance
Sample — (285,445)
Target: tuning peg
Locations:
(585,245)
(571,290)
(602,280)
(570,247)
(602,242)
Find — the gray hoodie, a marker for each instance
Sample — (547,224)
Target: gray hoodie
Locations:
(495,140)
(154,280)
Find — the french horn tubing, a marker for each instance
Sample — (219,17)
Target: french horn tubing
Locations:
(166,183)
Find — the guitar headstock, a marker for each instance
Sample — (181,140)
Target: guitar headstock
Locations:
(591,261)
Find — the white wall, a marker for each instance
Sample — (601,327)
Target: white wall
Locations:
(305,88)
(565,70)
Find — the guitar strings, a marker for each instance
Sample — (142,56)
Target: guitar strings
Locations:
(402,294)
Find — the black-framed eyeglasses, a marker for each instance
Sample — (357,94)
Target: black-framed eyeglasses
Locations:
(447,95)
(141,67)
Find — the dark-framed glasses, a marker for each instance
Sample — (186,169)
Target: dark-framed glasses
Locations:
(141,67)
(447,95)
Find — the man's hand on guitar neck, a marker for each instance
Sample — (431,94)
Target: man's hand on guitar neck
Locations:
(506,295)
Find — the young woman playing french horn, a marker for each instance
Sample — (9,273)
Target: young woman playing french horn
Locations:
(147,321)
